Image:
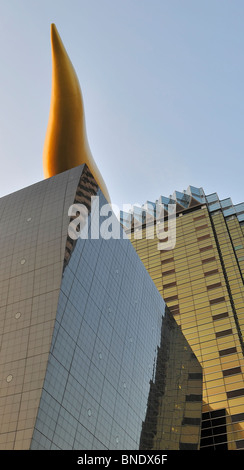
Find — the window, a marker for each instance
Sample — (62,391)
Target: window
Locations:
(215,207)
(235,393)
(201,227)
(226,202)
(191,421)
(216,301)
(167,273)
(240,444)
(170,284)
(199,217)
(169,299)
(174,309)
(193,397)
(205,248)
(208,260)
(211,273)
(239,207)
(212,197)
(219,334)
(226,352)
(165,261)
(195,376)
(220,316)
(204,237)
(232,371)
(213,434)
(237,418)
(214,286)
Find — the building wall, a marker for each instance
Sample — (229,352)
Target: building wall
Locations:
(173,418)
(120,373)
(33,232)
(202,284)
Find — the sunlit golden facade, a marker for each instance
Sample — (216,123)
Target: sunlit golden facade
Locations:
(201,280)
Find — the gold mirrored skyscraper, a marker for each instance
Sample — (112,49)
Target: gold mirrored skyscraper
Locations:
(201,280)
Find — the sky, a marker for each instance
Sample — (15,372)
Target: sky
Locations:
(163,90)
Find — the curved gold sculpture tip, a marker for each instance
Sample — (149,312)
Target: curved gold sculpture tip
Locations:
(66,144)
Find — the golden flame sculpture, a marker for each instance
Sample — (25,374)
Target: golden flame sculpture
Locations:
(66,144)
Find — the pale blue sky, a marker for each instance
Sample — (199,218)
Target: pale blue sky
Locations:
(162,83)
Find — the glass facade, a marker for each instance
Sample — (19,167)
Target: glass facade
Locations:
(33,228)
(91,357)
(201,281)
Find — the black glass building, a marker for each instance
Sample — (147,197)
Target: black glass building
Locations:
(90,356)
